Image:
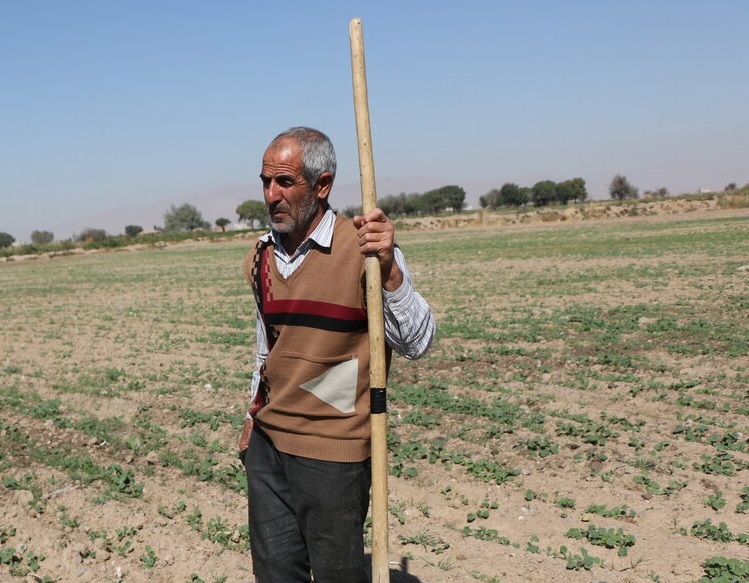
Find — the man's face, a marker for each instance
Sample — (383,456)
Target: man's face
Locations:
(292,203)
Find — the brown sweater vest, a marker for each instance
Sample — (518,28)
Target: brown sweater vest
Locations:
(313,399)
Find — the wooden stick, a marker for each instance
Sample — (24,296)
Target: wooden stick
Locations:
(377,365)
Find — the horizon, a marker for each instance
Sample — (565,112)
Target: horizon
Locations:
(228,195)
(119,111)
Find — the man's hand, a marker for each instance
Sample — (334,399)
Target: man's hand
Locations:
(377,237)
(244,439)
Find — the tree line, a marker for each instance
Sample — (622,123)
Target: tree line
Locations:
(187,218)
(449,198)
(543,193)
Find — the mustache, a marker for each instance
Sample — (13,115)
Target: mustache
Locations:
(278,207)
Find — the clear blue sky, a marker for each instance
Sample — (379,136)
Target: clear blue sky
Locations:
(112,111)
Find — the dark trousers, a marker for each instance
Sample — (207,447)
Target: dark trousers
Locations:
(305,515)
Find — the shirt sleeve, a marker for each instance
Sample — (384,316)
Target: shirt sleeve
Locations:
(409,324)
(261,353)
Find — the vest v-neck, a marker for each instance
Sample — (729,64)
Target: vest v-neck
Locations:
(273,261)
(319,241)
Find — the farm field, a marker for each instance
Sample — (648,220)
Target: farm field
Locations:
(583,415)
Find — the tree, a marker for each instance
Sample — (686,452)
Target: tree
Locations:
(453,197)
(392,204)
(490,200)
(513,195)
(221,224)
(133,231)
(431,202)
(6,240)
(388,204)
(252,211)
(544,192)
(443,198)
(90,235)
(731,186)
(621,189)
(413,204)
(577,188)
(184,218)
(571,190)
(400,203)
(563,193)
(42,237)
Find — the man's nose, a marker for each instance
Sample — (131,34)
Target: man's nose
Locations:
(272,192)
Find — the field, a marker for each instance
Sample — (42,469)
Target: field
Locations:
(583,415)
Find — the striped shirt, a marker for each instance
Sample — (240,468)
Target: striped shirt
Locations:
(409,325)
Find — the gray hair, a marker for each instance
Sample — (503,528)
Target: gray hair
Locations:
(318,155)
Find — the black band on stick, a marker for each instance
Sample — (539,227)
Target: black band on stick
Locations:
(378,401)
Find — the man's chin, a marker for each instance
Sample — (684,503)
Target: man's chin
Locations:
(281,226)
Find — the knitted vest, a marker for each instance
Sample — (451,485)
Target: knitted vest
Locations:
(313,399)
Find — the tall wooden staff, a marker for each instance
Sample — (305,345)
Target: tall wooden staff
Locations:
(377,367)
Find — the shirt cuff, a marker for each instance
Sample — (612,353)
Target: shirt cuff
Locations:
(398,299)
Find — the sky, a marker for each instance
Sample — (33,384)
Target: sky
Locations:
(112,112)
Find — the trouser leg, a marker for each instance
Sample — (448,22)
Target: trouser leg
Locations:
(304,514)
(331,501)
(279,552)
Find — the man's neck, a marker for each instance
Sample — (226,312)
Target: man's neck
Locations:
(292,241)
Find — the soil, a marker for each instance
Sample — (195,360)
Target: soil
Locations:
(81,537)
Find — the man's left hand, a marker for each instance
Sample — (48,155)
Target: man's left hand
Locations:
(377,237)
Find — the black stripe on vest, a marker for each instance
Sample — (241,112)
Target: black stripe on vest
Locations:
(315,321)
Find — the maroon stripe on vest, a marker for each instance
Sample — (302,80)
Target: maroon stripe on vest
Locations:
(314,308)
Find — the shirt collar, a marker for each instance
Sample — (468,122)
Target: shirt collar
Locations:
(322,235)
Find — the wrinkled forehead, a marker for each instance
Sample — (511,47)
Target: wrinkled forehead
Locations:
(284,144)
(283,153)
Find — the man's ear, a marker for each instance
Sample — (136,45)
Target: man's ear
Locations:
(324,185)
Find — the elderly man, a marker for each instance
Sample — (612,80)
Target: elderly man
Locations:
(305,440)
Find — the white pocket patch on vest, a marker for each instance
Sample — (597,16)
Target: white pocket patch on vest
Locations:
(337,385)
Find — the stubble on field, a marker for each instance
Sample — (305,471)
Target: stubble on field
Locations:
(582,415)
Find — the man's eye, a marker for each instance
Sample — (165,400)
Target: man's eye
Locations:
(282,181)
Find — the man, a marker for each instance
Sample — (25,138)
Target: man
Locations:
(307,462)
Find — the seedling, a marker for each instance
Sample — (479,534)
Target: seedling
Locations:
(622,512)
(398,512)
(531,546)
(170,513)
(707,530)
(427,540)
(650,485)
(540,446)
(723,569)
(148,558)
(743,506)
(605,537)
(195,520)
(65,520)
(715,501)
(722,463)
(582,561)
(6,533)
(487,534)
